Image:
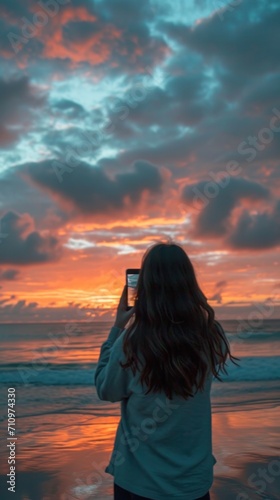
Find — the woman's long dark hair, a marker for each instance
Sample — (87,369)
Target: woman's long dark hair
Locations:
(174,333)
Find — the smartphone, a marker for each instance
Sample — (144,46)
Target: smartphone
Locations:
(132,276)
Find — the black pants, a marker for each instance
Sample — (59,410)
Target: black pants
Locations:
(121,494)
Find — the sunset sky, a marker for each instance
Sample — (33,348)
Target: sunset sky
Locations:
(124,122)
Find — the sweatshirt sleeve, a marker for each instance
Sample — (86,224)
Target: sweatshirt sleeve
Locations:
(111,380)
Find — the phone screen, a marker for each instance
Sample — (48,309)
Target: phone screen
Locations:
(132,280)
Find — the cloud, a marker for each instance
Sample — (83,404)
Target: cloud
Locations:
(136,45)
(112,35)
(221,284)
(22,245)
(80,38)
(182,95)
(213,219)
(261,94)
(7,137)
(9,275)
(258,231)
(19,312)
(169,101)
(91,191)
(217,296)
(23,311)
(70,108)
(18,195)
(231,42)
(17,100)
(251,231)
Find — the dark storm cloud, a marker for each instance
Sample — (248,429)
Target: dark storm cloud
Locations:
(247,39)
(187,86)
(20,196)
(263,93)
(19,244)
(9,275)
(165,148)
(214,218)
(17,99)
(257,231)
(13,9)
(91,190)
(16,92)
(67,105)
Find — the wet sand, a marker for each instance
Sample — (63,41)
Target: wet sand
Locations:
(62,456)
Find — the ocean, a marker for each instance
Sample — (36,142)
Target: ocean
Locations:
(65,433)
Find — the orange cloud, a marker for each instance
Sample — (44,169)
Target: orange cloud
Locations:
(95,50)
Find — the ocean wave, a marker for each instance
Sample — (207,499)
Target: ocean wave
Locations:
(253,336)
(253,369)
(249,369)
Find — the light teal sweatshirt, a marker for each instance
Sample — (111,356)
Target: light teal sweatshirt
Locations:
(163,448)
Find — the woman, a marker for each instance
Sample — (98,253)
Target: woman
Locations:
(161,369)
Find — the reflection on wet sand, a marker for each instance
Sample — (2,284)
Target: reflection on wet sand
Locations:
(65,455)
